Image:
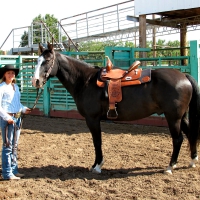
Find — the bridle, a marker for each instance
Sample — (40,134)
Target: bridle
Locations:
(49,70)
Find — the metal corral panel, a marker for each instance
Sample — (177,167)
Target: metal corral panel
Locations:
(143,7)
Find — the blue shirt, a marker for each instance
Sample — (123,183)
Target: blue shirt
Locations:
(10,100)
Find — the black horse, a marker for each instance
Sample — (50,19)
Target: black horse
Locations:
(170,92)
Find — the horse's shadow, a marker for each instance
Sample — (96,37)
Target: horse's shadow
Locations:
(74,172)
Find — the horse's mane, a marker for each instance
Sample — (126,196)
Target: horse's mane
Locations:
(80,62)
(82,69)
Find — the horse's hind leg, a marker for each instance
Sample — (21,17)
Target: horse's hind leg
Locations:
(95,129)
(192,142)
(185,125)
(177,139)
(193,138)
(189,130)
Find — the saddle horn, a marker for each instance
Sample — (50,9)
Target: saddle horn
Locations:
(135,65)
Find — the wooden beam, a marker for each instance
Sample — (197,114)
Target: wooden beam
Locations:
(153,22)
(154,39)
(142,36)
(183,43)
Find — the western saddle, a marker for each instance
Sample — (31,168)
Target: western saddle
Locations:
(113,79)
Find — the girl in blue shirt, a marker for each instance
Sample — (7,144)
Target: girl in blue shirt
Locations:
(10,116)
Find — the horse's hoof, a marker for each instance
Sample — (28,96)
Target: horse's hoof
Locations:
(174,167)
(193,162)
(192,165)
(169,170)
(97,168)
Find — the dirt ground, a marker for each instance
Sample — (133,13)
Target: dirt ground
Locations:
(56,154)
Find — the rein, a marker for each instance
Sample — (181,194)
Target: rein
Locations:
(37,98)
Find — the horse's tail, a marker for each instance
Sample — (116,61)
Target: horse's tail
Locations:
(194,114)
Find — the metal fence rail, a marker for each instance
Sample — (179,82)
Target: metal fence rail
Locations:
(56,98)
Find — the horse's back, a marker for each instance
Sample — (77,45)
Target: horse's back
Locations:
(168,90)
(168,74)
(171,83)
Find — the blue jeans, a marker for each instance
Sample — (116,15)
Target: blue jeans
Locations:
(10,137)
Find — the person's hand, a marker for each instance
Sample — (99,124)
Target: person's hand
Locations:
(10,121)
(28,110)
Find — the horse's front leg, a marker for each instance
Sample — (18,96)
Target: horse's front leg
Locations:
(95,129)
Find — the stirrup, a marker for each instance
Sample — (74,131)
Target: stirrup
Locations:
(112,114)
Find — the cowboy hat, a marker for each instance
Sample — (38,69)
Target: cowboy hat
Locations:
(6,68)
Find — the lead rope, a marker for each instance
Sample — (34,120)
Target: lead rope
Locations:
(36,100)
(14,146)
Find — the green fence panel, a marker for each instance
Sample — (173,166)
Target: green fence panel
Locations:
(56,98)
(123,57)
(60,99)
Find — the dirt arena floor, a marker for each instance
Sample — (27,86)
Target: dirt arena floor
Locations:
(56,155)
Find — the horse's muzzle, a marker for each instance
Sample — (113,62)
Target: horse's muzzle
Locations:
(36,83)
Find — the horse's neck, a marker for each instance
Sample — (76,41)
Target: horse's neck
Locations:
(73,74)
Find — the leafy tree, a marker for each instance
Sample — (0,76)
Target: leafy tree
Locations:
(24,39)
(129,44)
(97,46)
(41,32)
(164,48)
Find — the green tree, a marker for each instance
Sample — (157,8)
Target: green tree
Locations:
(24,39)
(129,44)
(97,46)
(43,28)
(164,48)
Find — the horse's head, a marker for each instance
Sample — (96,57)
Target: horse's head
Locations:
(45,64)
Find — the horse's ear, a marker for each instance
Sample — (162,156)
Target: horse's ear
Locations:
(40,49)
(50,46)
